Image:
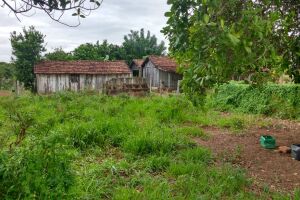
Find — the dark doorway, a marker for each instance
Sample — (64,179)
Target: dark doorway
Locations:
(135,72)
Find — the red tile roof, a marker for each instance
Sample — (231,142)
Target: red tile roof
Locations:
(138,62)
(81,67)
(163,63)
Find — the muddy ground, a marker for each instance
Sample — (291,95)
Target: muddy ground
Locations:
(265,167)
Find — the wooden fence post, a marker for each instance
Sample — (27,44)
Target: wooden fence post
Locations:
(160,86)
(150,84)
(178,87)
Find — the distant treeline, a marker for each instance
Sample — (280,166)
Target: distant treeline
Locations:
(136,45)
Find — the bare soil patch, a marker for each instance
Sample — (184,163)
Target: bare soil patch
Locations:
(266,167)
(4,93)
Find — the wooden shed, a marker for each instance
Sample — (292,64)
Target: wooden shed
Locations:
(55,76)
(136,67)
(161,71)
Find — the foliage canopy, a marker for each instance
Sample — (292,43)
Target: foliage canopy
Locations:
(98,51)
(137,44)
(223,40)
(26,49)
(54,9)
(7,74)
(59,55)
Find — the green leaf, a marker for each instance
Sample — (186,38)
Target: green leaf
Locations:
(233,39)
(168,14)
(248,49)
(222,23)
(82,16)
(74,14)
(206,18)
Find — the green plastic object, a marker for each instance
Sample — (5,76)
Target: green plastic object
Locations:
(267,142)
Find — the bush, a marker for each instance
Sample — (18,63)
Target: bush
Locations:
(271,99)
(37,171)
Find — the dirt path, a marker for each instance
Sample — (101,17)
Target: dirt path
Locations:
(267,167)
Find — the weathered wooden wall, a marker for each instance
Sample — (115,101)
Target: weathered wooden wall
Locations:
(151,74)
(50,83)
(136,69)
(158,77)
(136,86)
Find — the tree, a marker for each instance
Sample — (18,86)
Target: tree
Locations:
(59,55)
(103,51)
(55,9)
(137,45)
(27,48)
(286,34)
(224,39)
(7,73)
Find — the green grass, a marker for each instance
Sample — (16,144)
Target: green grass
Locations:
(79,146)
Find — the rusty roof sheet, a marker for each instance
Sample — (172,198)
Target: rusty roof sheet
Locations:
(163,63)
(82,67)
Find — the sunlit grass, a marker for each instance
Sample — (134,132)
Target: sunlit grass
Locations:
(115,148)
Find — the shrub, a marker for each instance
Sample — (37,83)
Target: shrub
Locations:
(271,99)
(38,171)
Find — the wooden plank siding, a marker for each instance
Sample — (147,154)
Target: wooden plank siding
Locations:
(50,83)
(157,76)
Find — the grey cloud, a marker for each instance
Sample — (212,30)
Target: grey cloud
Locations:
(112,21)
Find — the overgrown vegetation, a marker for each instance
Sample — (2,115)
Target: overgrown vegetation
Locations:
(271,100)
(223,40)
(80,146)
(7,76)
(27,49)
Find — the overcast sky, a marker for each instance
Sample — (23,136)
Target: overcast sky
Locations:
(112,21)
